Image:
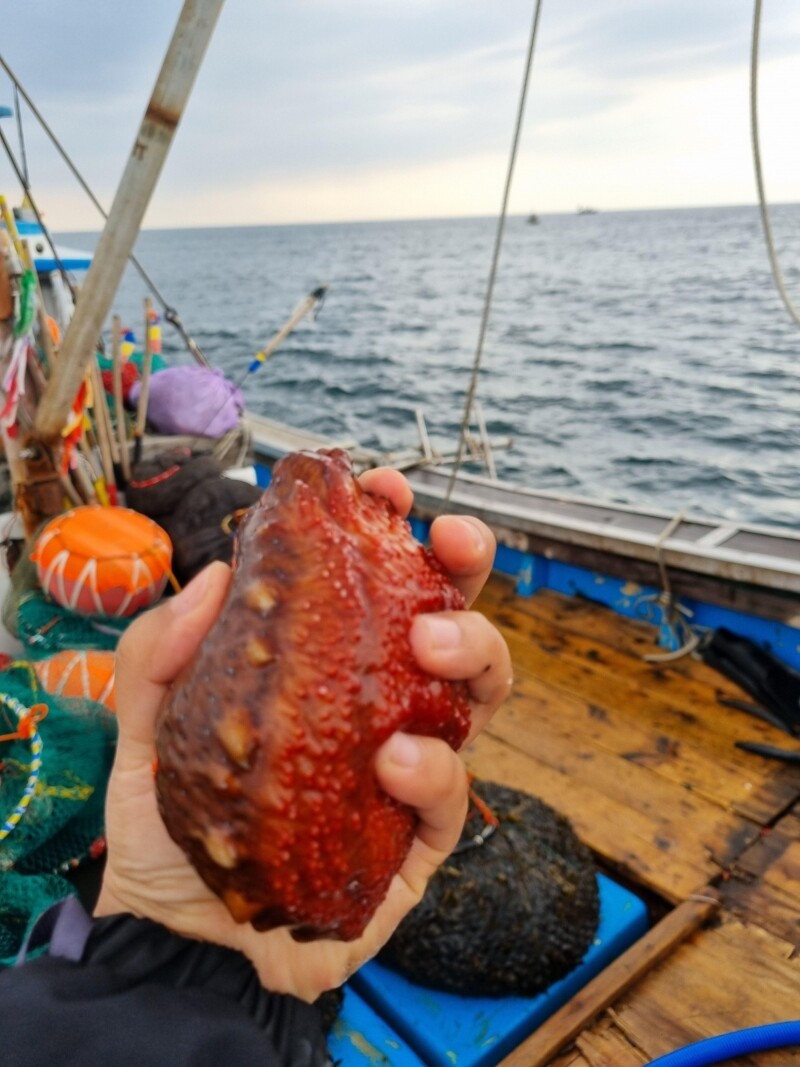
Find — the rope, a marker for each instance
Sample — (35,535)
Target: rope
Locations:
(170,314)
(29,197)
(762,199)
(20,135)
(673,611)
(28,721)
(501,222)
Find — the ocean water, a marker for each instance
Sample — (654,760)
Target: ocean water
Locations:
(639,357)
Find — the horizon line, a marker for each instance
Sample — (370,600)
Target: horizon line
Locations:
(441,218)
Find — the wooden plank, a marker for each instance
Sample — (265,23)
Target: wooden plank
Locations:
(607,1049)
(597,995)
(722,979)
(686,720)
(641,760)
(630,675)
(757,902)
(727,783)
(628,840)
(764,886)
(583,617)
(771,846)
(684,823)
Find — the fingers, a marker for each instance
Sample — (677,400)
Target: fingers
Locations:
(465,547)
(465,646)
(385,481)
(426,774)
(156,647)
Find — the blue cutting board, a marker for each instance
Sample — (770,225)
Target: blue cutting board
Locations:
(360,1038)
(445,1030)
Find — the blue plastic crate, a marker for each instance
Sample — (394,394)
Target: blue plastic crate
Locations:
(452,1031)
(360,1038)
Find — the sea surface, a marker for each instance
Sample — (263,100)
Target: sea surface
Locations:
(641,357)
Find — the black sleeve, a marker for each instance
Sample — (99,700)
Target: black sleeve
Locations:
(140,996)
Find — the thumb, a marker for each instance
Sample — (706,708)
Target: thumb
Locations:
(152,653)
(426,774)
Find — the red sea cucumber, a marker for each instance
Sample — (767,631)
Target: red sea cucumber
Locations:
(265,745)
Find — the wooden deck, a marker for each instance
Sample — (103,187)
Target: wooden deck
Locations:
(641,758)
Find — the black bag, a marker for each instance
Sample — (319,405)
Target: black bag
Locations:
(188,496)
(761,674)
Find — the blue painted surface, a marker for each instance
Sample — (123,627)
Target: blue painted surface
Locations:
(451,1031)
(263,475)
(360,1038)
(45,265)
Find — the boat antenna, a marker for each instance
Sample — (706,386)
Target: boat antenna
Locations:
(170,313)
(762,198)
(487,303)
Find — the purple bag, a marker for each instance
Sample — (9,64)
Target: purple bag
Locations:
(191,400)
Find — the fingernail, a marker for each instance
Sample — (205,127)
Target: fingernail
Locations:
(442,633)
(191,594)
(476,533)
(404,750)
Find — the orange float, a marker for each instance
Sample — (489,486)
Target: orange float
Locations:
(86,674)
(97,560)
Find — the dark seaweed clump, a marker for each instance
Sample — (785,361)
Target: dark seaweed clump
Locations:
(508,917)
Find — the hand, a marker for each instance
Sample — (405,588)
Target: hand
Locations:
(148,874)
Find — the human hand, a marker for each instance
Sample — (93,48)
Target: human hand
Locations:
(148,874)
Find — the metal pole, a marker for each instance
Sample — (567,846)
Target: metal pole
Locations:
(173,86)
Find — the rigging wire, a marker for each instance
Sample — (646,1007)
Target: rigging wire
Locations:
(762,199)
(23,155)
(34,208)
(170,313)
(476,365)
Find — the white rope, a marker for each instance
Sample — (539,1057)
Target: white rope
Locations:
(476,365)
(762,199)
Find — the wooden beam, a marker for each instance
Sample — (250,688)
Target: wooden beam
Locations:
(173,86)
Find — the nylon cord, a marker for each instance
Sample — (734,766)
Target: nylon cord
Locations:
(762,199)
(476,365)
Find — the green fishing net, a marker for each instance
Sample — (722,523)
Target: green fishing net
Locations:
(61,823)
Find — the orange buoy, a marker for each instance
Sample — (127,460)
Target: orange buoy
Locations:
(86,674)
(96,560)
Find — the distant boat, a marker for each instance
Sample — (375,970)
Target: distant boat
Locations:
(533,220)
(587,210)
(45,257)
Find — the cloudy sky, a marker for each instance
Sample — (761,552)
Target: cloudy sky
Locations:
(317,110)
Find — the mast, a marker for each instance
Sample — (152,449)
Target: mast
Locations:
(170,95)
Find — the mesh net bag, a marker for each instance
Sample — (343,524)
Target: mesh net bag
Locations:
(22,899)
(55,760)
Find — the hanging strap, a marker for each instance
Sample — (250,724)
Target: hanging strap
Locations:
(64,926)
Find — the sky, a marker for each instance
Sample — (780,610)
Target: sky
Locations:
(340,110)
